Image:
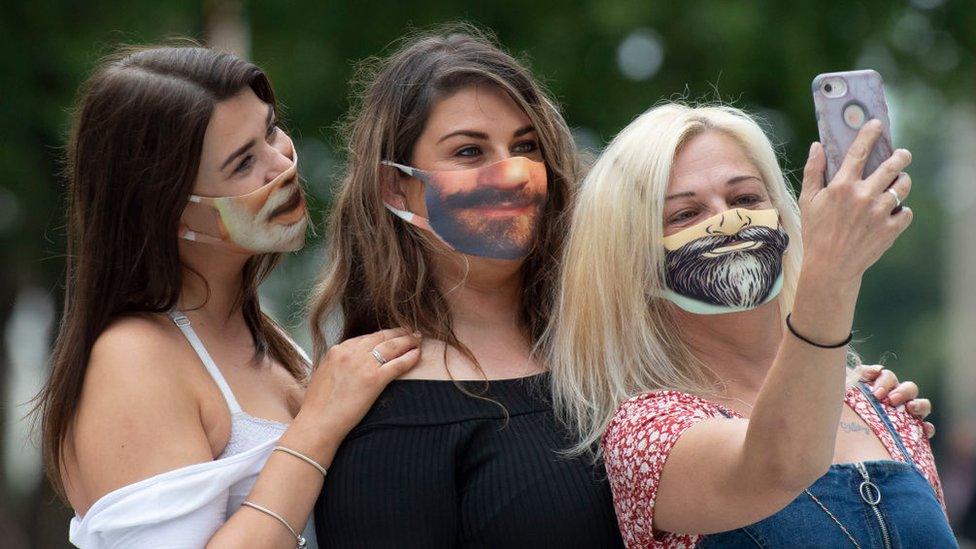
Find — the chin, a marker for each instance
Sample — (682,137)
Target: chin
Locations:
(500,268)
(276,238)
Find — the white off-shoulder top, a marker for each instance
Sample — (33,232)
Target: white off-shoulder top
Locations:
(184,507)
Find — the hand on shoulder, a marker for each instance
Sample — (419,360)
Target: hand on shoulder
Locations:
(350,376)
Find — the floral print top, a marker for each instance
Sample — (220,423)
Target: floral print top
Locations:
(645,428)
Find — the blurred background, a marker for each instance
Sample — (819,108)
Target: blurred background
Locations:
(605,62)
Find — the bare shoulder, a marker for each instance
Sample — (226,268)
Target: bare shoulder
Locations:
(138,357)
(138,414)
(133,336)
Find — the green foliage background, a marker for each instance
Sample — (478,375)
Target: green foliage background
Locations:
(760,55)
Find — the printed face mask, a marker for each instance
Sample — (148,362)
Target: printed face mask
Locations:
(492,211)
(270,219)
(730,262)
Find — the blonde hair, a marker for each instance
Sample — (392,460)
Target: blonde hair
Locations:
(611,337)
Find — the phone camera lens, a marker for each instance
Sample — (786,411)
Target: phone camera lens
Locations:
(828,88)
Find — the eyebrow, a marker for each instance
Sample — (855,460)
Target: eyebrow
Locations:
(484,136)
(732,181)
(243,148)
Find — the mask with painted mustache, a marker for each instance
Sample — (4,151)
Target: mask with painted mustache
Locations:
(492,211)
(272,218)
(714,272)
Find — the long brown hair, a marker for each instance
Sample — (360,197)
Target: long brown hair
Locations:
(132,160)
(378,271)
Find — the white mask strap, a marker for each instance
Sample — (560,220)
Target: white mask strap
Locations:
(405,169)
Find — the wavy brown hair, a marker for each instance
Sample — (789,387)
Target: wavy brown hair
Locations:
(132,160)
(378,271)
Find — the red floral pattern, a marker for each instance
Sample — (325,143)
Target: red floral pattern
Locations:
(646,427)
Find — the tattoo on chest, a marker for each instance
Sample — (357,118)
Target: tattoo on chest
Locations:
(854,427)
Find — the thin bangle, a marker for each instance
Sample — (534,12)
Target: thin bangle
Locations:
(300,540)
(814,343)
(302,457)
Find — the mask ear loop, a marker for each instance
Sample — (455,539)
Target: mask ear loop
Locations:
(188,234)
(403,214)
(408,216)
(405,169)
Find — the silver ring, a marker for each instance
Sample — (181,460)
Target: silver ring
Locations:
(379,357)
(897,198)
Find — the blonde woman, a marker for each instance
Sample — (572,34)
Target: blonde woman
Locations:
(701,336)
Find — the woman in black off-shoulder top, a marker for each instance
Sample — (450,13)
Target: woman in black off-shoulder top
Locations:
(432,467)
(449,222)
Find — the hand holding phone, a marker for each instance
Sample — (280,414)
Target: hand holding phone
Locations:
(850,223)
(844,102)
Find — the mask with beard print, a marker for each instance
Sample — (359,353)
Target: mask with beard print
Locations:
(492,211)
(730,262)
(270,219)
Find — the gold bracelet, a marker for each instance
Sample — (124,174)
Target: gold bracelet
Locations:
(301,541)
(302,457)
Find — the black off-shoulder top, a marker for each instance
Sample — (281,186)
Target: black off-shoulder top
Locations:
(430,466)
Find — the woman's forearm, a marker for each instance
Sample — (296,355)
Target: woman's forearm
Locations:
(342,388)
(793,425)
(287,485)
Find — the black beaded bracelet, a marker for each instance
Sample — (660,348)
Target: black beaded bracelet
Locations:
(814,343)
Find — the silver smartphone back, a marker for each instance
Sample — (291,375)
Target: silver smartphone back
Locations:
(845,101)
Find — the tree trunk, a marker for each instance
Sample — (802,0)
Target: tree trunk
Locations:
(225,27)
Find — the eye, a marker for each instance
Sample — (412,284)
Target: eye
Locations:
(272,133)
(526,147)
(747,199)
(245,164)
(468,151)
(683,215)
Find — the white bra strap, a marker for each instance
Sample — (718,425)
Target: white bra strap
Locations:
(183,323)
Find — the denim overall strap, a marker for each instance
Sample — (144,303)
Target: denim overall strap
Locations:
(833,512)
(887,422)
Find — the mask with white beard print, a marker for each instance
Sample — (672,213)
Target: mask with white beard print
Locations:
(730,262)
(270,219)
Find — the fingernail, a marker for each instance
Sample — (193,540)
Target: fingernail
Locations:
(813,147)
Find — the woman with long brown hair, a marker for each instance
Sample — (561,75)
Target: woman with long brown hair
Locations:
(450,220)
(174,414)
(459,168)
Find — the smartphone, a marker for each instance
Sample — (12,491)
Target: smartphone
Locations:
(845,101)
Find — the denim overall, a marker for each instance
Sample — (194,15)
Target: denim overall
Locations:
(882,504)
